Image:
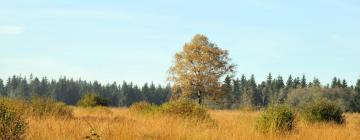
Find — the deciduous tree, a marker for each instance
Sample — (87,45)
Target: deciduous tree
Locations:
(198,69)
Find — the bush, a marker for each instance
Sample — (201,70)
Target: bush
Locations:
(41,107)
(92,100)
(143,107)
(323,111)
(12,124)
(299,98)
(276,118)
(186,109)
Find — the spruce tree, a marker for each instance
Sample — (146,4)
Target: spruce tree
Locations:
(227,86)
(279,83)
(145,91)
(316,83)
(237,90)
(44,87)
(269,80)
(2,88)
(297,83)
(243,83)
(254,94)
(338,83)
(227,91)
(152,93)
(355,103)
(334,83)
(303,82)
(289,83)
(34,87)
(344,84)
(264,93)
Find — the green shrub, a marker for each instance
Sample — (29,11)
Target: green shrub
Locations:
(186,109)
(92,100)
(41,107)
(299,98)
(143,107)
(276,118)
(323,111)
(12,124)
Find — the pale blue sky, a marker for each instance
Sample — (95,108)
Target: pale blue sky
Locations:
(112,40)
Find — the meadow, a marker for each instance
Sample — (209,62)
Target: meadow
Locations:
(121,124)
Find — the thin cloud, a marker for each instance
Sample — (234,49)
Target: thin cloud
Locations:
(11,30)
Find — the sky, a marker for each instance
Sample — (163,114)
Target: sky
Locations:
(116,40)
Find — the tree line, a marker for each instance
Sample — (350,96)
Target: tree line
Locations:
(297,91)
(70,91)
(236,92)
(203,72)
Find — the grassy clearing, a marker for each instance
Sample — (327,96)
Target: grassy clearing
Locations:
(120,123)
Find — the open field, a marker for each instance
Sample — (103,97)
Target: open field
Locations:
(120,124)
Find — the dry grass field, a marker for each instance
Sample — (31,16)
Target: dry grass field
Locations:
(120,124)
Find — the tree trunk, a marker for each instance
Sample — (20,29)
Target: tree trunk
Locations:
(200,97)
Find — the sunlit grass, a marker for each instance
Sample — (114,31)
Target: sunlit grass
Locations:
(119,123)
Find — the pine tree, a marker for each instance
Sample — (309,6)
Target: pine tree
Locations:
(123,93)
(254,97)
(303,82)
(334,83)
(289,83)
(269,80)
(243,88)
(270,87)
(264,93)
(227,86)
(96,87)
(227,91)
(152,92)
(2,88)
(279,83)
(344,84)
(357,87)
(145,91)
(316,83)
(338,83)
(237,90)
(22,90)
(44,87)
(243,82)
(310,84)
(34,87)
(113,94)
(297,83)
(355,102)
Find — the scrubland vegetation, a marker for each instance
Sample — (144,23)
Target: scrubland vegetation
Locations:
(196,105)
(173,120)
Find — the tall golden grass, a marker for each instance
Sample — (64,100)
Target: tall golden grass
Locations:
(120,124)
